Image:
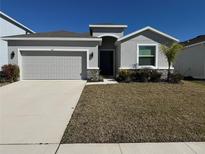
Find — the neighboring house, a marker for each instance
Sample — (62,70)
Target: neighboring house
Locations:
(103,50)
(8,27)
(191,61)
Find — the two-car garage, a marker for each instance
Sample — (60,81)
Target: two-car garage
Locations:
(53,65)
(58,55)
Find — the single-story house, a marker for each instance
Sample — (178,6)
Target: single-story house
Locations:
(191,61)
(8,27)
(103,50)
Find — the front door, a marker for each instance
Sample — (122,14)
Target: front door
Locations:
(106,62)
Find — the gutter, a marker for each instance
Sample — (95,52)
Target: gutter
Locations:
(52,39)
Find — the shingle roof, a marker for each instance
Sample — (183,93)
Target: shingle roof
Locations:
(198,39)
(54,34)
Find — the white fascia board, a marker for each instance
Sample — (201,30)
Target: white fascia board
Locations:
(195,44)
(52,39)
(147,28)
(10,18)
(108,26)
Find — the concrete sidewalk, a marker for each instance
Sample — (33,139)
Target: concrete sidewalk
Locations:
(134,148)
(124,148)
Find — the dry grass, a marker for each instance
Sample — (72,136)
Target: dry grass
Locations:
(202,82)
(138,112)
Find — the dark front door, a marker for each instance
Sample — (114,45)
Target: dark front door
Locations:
(106,62)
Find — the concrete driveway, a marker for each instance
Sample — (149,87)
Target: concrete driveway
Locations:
(33,112)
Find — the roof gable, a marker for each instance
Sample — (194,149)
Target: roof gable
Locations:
(13,21)
(145,29)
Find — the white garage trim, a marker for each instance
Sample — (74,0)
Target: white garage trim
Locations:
(49,49)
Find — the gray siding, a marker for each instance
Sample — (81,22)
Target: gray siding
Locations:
(119,32)
(191,62)
(91,46)
(128,49)
(7,29)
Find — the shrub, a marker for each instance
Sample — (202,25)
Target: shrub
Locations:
(175,78)
(155,76)
(143,75)
(124,75)
(2,77)
(189,78)
(10,72)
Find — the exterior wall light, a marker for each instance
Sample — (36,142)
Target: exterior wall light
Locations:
(12,55)
(90,56)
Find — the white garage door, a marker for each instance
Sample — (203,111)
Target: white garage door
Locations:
(53,65)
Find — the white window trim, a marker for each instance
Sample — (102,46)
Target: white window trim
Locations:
(50,49)
(156,56)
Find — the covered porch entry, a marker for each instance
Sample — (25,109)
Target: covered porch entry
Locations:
(107,56)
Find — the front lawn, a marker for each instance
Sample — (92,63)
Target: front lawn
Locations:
(202,82)
(138,112)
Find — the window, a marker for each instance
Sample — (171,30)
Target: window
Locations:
(147,55)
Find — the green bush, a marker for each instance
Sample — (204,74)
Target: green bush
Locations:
(175,78)
(143,75)
(10,72)
(125,76)
(155,76)
(148,75)
(2,77)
